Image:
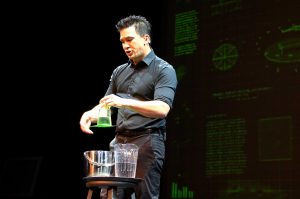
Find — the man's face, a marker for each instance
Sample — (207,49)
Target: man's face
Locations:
(133,43)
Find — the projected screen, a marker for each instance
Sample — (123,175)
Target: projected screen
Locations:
(235,127)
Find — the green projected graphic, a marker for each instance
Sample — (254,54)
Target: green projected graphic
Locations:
(291,28)
(275,138)
(185,49)
(225,6)
(240,94)
(181,193)
(181,72)
(287,51)
(225,57)
(186,32)
(235,121)
(250,189)
(225,140)
(281,47)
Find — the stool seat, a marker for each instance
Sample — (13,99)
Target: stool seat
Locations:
(110,183)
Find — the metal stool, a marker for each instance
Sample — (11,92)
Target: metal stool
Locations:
(112,184)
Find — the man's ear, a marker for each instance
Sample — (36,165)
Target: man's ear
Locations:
(147,38)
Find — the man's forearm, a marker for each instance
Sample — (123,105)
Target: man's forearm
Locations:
(153,109)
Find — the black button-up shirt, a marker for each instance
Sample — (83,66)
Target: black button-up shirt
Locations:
(151,79)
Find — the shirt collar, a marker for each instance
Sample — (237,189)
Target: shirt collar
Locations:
(146,61)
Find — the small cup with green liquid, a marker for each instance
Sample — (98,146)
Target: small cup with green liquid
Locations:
(104,117)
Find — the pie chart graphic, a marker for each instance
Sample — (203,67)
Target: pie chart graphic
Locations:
(225,57)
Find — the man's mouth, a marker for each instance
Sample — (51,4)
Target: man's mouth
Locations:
(128,52)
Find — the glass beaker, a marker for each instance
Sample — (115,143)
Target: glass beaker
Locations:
(99,163)
(104,117)
(126,156)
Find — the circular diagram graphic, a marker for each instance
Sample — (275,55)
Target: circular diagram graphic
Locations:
(225,57)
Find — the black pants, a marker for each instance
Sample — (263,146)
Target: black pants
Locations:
(150,162)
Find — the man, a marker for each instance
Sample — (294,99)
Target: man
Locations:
(142,90)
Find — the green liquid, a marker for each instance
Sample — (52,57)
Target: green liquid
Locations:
(104,121)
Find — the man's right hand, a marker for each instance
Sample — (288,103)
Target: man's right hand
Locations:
(85,122)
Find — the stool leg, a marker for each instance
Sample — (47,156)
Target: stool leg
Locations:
(112,193)
(103,192)
(90,193)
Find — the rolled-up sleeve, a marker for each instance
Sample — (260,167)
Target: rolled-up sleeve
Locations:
(166,85)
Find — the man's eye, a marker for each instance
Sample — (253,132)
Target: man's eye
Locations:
(130,39)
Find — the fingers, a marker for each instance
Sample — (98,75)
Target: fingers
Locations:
(85,124)
(86,129)
(103,99)
(110,100)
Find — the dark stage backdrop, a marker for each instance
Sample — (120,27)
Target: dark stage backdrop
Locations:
(234,131)
(57,62)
